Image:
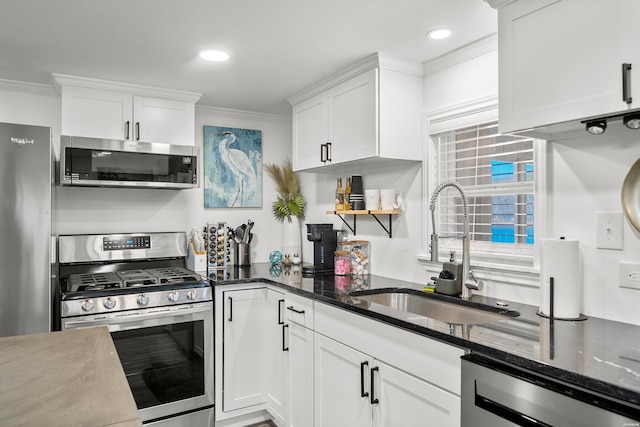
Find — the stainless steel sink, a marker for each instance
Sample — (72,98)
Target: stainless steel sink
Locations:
(445,309)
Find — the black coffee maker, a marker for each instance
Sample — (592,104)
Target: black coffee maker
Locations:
(325,240)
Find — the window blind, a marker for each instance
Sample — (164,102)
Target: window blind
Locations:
(497,174)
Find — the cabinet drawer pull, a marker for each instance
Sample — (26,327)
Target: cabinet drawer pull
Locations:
(137,131)
(284,334)
(230,309)
(323,157)
(363,393)
(294,310)
(626,83)
(126,129)
(329,152)
(280,320)
(373,399)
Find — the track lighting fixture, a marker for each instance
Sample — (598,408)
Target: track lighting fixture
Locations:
(632,121)
(596,127)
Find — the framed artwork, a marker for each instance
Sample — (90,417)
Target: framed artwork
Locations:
(232,167)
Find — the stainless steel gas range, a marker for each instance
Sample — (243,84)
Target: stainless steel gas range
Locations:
(159,313)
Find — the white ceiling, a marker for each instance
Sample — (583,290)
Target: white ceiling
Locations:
(277,47)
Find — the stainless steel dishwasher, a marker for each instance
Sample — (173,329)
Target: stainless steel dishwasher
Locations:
(496,394)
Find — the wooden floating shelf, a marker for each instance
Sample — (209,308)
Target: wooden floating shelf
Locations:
(367,212)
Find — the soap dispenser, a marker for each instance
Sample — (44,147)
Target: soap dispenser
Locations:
(450,280)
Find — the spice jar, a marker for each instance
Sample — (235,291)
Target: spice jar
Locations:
(342,263)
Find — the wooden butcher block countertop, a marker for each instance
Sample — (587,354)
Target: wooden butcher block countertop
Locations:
(69,378)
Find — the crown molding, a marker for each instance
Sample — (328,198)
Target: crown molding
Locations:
(25,87)
(60,80)
(497,4)
(376,60)
(470,51)
(232,113)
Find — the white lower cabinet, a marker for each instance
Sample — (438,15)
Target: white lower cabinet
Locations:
(300,375)
(243,348)
(276,355)
(306,364)
(354,389)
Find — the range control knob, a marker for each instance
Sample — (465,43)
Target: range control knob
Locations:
(143,299)
(192,294)
(173,296)
(109,303)
(88,304)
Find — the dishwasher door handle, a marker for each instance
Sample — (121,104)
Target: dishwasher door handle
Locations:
(505,412)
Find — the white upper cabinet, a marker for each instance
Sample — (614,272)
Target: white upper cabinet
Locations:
(100,109)
(561,62)
(371,111)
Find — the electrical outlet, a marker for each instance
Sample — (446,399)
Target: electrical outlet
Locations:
(629,275)
(609,230)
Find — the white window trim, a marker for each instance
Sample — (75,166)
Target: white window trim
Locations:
(466,114)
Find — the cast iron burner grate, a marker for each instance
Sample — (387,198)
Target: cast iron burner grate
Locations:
(93,281)
(131,278)
(173,275)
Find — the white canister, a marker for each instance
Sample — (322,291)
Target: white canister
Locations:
(372,200)
(387,199)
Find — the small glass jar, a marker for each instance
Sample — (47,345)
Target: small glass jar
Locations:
(360,257)
(342,263)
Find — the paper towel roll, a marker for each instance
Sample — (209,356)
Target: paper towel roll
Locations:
(560,259)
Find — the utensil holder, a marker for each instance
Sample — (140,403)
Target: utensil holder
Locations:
(242,255)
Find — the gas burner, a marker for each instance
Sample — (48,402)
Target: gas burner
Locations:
(93,281)
(132,278)
(174,275)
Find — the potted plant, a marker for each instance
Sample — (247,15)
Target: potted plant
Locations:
(289,204)
(290,201)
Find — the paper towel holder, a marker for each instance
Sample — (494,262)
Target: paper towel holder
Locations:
(550,315)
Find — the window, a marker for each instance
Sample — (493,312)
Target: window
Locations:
(497,173)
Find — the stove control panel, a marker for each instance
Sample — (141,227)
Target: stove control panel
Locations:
(118,243)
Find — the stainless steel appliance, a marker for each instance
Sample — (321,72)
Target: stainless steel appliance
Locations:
(495,394)
(160,316)
(114,163)
(26,181)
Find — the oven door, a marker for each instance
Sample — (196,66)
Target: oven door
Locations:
(167,356)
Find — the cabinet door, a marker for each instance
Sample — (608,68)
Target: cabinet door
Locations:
(96,113)
(300,375)
(244,348)
(561,60)
(407,401)
(276,356)
(164,121)
(310,133)
(353,117)
(341,386)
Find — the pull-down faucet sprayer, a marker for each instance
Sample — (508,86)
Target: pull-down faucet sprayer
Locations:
(468,280)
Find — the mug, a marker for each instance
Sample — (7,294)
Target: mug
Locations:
(372,200)
(390,199)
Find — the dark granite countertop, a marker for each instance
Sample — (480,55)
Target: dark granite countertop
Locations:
(596,354)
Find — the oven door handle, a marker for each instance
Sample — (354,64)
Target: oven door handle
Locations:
(123,321)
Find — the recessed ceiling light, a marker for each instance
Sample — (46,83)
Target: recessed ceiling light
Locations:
(214,55)
(439,34)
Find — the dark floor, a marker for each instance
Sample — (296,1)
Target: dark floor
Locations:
(268,423)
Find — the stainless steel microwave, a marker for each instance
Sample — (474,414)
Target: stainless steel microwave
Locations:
(112,163)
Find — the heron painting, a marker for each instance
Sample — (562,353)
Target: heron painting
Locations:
(232,167)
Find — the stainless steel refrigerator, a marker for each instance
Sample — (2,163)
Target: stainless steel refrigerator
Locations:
(26,234)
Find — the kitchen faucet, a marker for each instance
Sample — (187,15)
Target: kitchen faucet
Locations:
(469,281)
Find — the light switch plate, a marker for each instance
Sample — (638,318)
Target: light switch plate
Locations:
(629,275)
(609,230)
